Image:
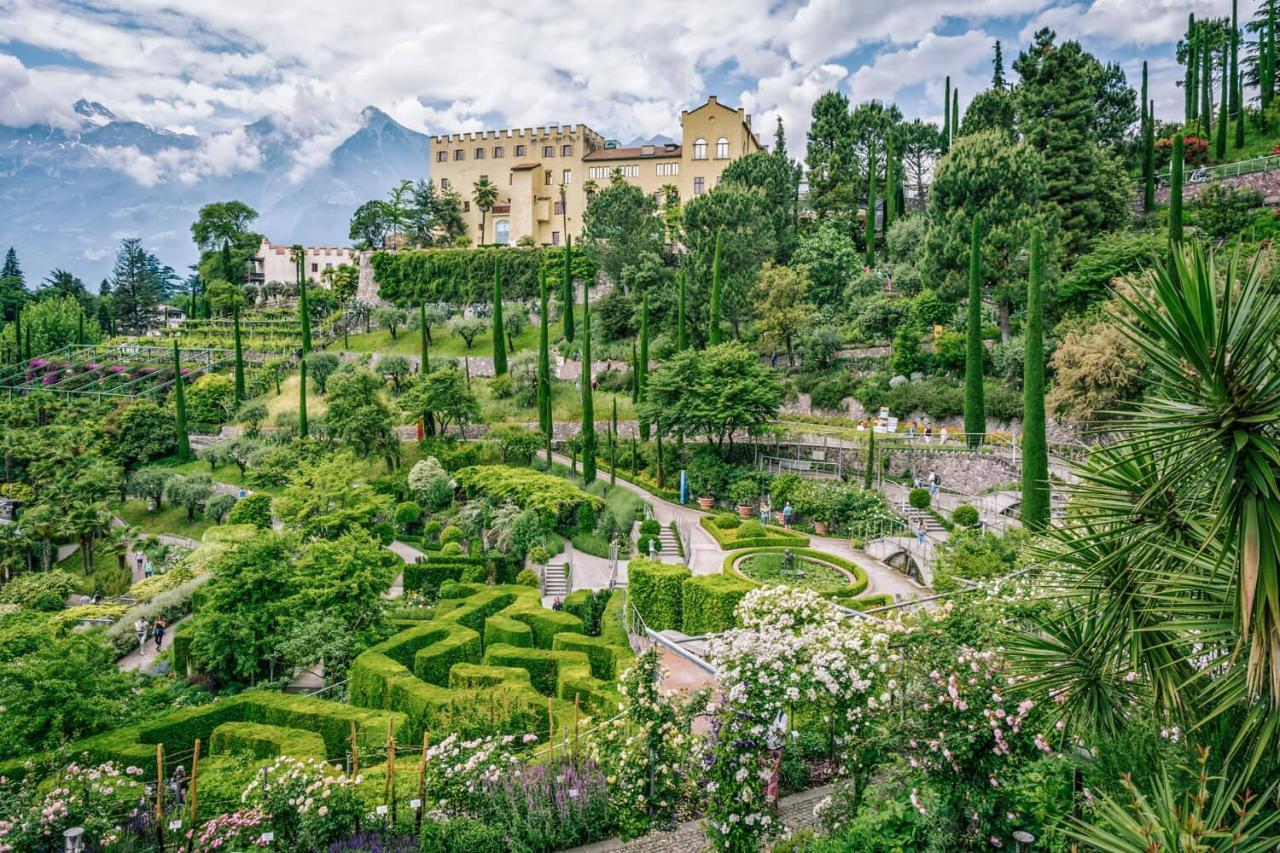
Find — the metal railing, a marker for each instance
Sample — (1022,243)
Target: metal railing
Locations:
(1202,174)
(641,634)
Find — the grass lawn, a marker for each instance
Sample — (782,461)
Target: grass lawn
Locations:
(566,405)
(228,473)
(285,404)
(443,343)
(170,520)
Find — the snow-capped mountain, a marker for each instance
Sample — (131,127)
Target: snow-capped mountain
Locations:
(70,196)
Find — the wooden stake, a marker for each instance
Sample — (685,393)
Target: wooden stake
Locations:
(391,771)
(551,728)
(576,697)
(160,796)
(355,766)
(191,792)
(422,783)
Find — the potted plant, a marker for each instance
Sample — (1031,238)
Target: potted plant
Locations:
(706,477)
(743,493)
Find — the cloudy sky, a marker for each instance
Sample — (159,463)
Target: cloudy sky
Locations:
(625,68)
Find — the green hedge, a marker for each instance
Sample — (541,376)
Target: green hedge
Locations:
(858,585)
(436,569)
(181,646)
(870,602)
(654,589)
(501,628)
(547,668)
(709,602)
(578,603)
(774,536)
(457,275)
(545,624)
(259,740)
(608,661)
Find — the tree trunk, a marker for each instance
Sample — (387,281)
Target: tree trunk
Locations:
(791,355)
(46,554)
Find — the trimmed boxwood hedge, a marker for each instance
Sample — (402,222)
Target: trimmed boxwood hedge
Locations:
(729,541)
(547,669)
(438,568)
(608,661)
(654,589)
(869,602)
(709,602)
(260,740)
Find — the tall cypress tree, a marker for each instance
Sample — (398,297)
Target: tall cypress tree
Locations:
(239,372)
(642,378)
(890,192)
(424,342)
(304,429)
(544,362)
(1189,77)
(180,405)
(975,415)
(1035,446)
(588,408)
(869,479)
(955,112)
(1220,138)
(634,386)
(1240,116)
(681,342)
(1149,159)
(713,336)
(566,288)
(613,445)
(499,332)
(304,310)
(1206,78)
(1175,190)
(946,117)
(871,203)
(1268,58)
(1142,128)
(1236,105)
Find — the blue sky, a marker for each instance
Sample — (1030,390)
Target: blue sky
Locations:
(627,69)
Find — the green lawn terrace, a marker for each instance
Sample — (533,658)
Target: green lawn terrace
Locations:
(262,331)
(121,370)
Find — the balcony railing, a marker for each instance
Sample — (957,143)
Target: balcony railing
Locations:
(500,208)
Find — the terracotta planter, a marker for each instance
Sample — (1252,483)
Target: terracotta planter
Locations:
(706,503)
(746,511)
(820,528)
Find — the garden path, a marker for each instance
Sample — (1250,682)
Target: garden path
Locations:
(796,812)
(409,554)
(146,656)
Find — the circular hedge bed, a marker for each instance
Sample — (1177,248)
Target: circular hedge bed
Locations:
(806,572)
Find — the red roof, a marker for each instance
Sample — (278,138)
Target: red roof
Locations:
(654,152)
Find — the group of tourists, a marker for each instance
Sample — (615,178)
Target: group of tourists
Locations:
(156,630)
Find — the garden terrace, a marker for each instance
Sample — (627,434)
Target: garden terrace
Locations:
(277,334)
(116,370)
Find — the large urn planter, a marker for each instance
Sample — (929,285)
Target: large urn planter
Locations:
(746,510)
(706,503)
(820,528)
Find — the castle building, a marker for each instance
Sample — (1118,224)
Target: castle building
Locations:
(546,175)
(276,263)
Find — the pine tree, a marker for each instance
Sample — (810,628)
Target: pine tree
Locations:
(499,335)
(304,310)
(588,409)
(1220,138)
(642,378)
(946,117)
(236,342)
(871,203)
(713,336)
(544,362)
(975,416)
(566,288)
(1035,447)
(955,112)
(780,140)
(424,344)
(681,342)
(1149,159)
(180,405)
(1175,190)
(997,77)
(303,428)
(869,480)
(1189,77)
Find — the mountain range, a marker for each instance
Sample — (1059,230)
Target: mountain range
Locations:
(70,195)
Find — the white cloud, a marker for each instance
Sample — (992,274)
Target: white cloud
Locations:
(966,58)
(1128,22)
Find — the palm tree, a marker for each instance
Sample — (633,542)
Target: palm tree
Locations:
(15,549)
(485,194)
(121,538)
(397,208)
(86,521)
(42,523)
(591,188)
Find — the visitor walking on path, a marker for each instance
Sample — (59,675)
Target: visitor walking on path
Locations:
(775,739)
(787,512)
(140,628)
(159,635)
(935,483)
(920,532)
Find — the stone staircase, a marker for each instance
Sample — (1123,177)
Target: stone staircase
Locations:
(931,524)
(555,580)
(670,552)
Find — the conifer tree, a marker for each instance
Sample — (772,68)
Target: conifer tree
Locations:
(613,445)
(1189,77)
(1175,190)
(713,336)
(180,405)
(1267,58)
(890,192)
(499,335)
(871,204)
(1149,158)
(236,342)
(869,480)
(946,117)
(1220,138)
(955,112)
(634,385)
(1240,117)
(1035,447)
(681,342)
(588,408)
(566,288)
(1236,105)
(544,363)
(642,377)
(303,428)
(997,76)
(975,416)
(304,310)
(424,341)
(1206,79)
(1142,130)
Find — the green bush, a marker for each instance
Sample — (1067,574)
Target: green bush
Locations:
(452,533)
(431,530)
(258,740)
(708,602)
(474,574)
(528,577)
(408,514)
(450,549)
(727,521)
(650,526)
(751,530)
(654,589)
(644,542)
(965,516)
(752,534)
(919,498)
(461,835)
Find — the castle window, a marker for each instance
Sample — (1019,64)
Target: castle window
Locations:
(479,154)
(559,208)
(699,185)
(567,177)
(444,183)
(566,150)
(547,177)
(502,232)
(555,238)
(520,150)
(722,149)
(699,149)
(548,151)
(459,154)
(442,156)
(498,153)
(466,207)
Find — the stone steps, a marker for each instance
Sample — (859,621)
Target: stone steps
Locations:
(554,581)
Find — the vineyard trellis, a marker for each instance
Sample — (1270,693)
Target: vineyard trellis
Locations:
(115,370)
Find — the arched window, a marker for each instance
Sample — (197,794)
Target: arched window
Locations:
(722,149)
(502,232)
(699,149)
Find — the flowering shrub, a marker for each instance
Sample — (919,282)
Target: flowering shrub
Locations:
(87,796)
(548,806)
(458,770)
(233,831)
(308,803)
(1195,151)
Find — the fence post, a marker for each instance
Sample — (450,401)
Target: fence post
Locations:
(551,728)
(192,794)
(422,783)
(355,765)
(160,796)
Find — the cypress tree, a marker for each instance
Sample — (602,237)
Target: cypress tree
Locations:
(975,416)
(613,445)
(713,337)
(1142,130)
(236,342)
(180,405)
(566,288)
(1035,447)
(1220,139)
(869,482)
(1240,116)
(955,112)
(304,309)
(1206,77)
(1236,106)
(544,362)
(1175,190)
(1268,52)
(946,117)
(1149,160)
(1189,77)
(871,204)
(303,428)
(588,409)
(424,342)
(634,385)
(499,335)
(227,275)
(890,192)
(680,335)
(642,378)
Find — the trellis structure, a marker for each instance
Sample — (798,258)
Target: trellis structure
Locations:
(126,371)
